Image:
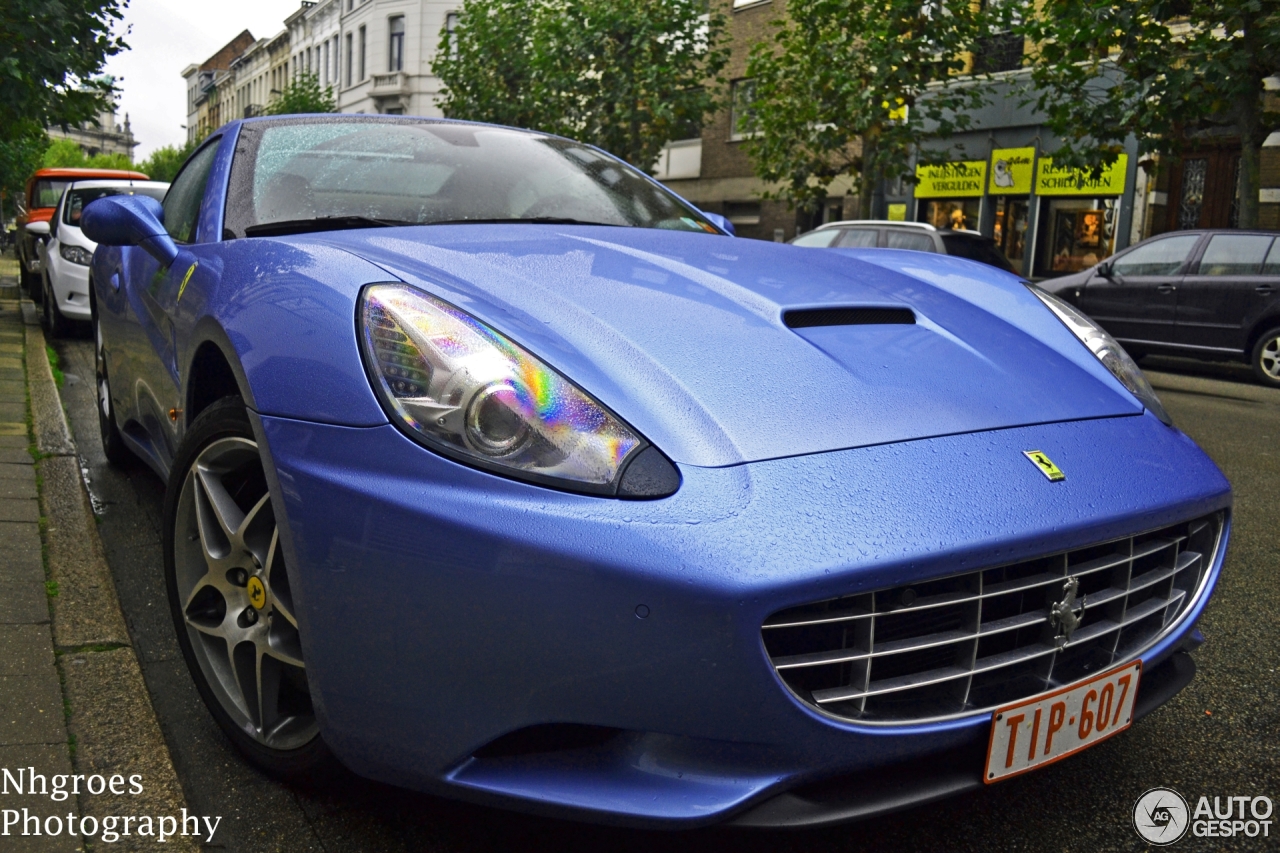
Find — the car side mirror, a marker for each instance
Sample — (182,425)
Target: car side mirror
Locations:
(721,222)
(1105,270)
(39,229)
(129,220)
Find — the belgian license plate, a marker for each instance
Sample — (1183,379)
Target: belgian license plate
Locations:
(1051,726)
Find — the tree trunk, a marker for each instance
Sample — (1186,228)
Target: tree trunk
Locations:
(867,175)
(1252,135)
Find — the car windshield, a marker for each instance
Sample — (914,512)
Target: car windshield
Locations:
(78,198)
(326,173)
(45,193)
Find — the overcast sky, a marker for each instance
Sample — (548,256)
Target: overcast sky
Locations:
(166,36)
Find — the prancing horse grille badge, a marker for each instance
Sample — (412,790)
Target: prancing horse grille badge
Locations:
(1045,464)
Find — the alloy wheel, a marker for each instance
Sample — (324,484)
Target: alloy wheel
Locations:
(1269,357)
(234,595)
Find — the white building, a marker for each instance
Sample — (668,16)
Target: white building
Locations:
(315,40)
(387,50)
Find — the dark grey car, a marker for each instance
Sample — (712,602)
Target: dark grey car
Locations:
(1205,294)
(919,236)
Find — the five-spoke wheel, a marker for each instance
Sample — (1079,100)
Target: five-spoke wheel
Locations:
(231,598)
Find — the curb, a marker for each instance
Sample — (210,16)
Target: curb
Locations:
(111,724)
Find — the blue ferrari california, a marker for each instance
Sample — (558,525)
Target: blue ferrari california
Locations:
(496,470)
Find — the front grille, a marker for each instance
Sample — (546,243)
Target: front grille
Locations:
(971,642)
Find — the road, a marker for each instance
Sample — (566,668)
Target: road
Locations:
(1217,738)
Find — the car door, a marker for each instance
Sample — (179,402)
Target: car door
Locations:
(152,292)
(1223,290)
(1139,301)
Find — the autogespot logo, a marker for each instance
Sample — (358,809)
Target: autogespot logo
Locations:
(1160,816)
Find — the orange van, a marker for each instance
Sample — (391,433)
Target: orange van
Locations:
(44,189)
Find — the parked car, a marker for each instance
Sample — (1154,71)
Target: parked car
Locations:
(1204,294)
(497,470)
(43,190)
(917,236)
(65,259)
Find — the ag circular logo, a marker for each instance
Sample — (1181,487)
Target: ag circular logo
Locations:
(1161,816)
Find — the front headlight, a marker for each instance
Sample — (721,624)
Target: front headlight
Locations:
(462,388)
(76,255)
(1110,353)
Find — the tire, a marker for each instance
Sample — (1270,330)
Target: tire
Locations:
(113,446)
(1265,358)
(230,598)
(54,321)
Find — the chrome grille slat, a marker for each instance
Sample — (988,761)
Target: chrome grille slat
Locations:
(963,644)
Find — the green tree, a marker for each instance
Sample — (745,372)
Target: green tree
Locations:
(50,56)
(163,163)
(1159,70)
(852,87)
(20,153)
(64,153)
(628,77)
(303,94)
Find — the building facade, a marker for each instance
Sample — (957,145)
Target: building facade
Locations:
(388,47)
(107,136)
(210,100)
(995,179)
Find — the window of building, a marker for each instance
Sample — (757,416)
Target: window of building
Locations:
(363,51)
(326,60)
(450,27)
(349,64)
(742,115)
(395,53)
(1074,234)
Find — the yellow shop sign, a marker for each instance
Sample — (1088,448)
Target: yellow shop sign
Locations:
(1054,181)
(958,179)
(1011,171)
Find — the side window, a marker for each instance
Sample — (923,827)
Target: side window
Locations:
(1162,257)
(182,202)
(1234,254)
(858,238)
(1271,266)
(906,240)
(819,239)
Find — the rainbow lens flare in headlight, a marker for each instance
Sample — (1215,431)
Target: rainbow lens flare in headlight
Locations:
(456,382)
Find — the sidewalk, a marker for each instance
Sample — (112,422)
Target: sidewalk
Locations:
(72,698)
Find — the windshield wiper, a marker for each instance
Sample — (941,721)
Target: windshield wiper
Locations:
(320,223)
(535,220)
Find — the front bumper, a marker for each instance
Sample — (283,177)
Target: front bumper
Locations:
(70,285)
(443,608)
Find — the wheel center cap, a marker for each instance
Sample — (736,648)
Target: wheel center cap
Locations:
(257,593)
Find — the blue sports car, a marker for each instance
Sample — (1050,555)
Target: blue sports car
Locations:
(498,471)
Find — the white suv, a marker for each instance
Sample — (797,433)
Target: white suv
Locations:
(66,256)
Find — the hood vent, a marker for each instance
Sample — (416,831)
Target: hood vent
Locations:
(808,318)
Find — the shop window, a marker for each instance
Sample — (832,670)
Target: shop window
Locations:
(1011,228)
(1077,233)
(960,214)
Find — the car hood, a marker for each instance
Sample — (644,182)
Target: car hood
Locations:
(682,335)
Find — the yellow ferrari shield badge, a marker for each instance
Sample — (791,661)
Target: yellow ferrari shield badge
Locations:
(257,593)
(1045,464)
